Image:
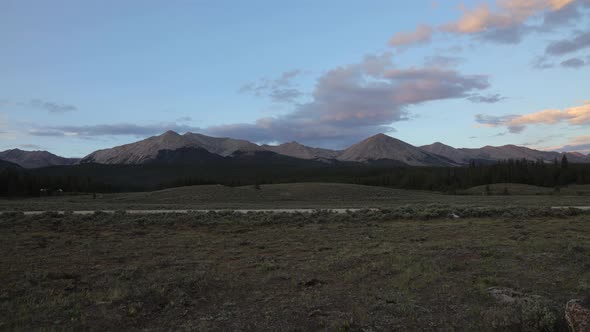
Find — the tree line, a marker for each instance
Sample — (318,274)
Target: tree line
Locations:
(110,179)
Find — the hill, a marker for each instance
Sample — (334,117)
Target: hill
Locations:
(508,189)
(283,195)
(6,164)
(35,159)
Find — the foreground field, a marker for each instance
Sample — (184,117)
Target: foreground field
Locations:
(369,271)
(302,195)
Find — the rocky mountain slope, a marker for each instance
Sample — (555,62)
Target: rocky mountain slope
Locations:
(294,149)
(447,151)
(494,153)
(383,147)
(6,164)
(148,150)
(35,159)
(172,147)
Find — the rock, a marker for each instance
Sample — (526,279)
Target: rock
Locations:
(577,315)
(506,295)
(528,311)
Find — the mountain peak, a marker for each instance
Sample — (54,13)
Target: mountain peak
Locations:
(380,136)
(384,147)
(149,149)
(293,143)
(440,144)
(170,133)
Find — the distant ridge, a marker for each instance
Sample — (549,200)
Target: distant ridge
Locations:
(294,149)
(6,164)
(35,159)
(173,148)
(494,153)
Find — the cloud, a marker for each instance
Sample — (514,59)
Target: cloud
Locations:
(122,129)
(495,121)
(488,99)
(492,120)
(479,19)
(357,100)
(542,62)
(5,131)
(505,22)
(578,115)
(573,63)
(442,61)
(576,144)
(279,90)
(579,41)
(567,15)
(51,107)
(184,119)
(349,103)
(422,35)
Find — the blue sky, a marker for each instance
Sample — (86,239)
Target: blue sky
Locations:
(77,76)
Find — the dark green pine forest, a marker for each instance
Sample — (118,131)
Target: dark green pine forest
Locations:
(95,178)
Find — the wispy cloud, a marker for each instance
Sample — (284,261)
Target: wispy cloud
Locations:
(495,121)
(443,61)
(487,99)
(506,22)
(579,41)
(574,63)
(5,131)
(575,144)
(578,115)
(51,107)
(279,90)
(121,129)
(422,35)
(37,103)
(542,62)
(184,119)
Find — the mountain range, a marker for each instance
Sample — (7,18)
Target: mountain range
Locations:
(171,147)
(35,159)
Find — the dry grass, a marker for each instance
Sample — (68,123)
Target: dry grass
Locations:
(363,271)
(296,195)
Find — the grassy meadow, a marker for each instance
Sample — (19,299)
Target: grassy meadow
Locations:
(399,269)
(410,265)
(305,195)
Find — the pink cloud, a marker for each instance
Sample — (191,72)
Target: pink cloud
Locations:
(504,22)
(422,34)
(577,115)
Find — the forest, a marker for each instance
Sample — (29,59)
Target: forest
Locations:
(94,178)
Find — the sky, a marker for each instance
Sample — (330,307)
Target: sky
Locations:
(77,76)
